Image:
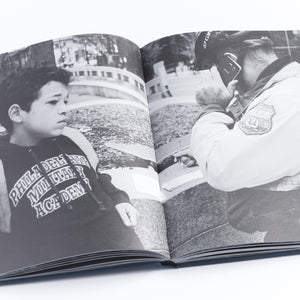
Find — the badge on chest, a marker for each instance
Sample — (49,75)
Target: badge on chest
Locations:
(258,120)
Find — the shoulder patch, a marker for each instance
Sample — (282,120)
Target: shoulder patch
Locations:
(258,120)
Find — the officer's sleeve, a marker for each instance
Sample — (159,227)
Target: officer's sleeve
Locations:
(231,159)
(116,194)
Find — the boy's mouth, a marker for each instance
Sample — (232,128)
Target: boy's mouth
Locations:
(62,123)
(65,120)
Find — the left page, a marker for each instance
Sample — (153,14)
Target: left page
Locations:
(77,157)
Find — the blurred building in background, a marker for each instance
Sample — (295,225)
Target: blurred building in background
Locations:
(98,50)
(34,56)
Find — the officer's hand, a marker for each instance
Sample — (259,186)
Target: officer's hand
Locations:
(184,158)
(188,161)
(233,101)
(212,89)
(127,213)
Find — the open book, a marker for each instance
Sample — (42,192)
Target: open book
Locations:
(181,151)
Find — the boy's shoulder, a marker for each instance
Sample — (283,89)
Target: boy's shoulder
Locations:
(82,142)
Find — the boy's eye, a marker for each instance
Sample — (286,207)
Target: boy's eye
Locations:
(52,102)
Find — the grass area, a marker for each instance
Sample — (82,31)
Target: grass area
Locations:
(151,227)
(127,125)
(114,123)
(173,121)
(196,211)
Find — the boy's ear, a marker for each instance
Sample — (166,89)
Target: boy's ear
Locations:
(14,113)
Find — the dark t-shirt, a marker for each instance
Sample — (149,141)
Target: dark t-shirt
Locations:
(53,212)
(35,205)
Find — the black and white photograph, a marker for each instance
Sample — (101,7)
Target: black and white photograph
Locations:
(78,169)
(178,152)
(150,151)
(224,108)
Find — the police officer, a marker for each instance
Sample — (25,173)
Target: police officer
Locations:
(251,148)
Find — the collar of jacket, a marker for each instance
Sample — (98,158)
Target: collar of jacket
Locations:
(269,76)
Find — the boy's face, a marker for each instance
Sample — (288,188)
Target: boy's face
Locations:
(47,115)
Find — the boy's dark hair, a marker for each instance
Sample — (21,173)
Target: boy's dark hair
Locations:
(22,87)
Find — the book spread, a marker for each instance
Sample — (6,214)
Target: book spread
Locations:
(181,151)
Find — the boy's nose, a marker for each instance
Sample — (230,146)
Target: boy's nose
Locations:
(62,108)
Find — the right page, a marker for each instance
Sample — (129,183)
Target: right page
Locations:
(225,111)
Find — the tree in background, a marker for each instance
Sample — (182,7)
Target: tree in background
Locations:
(172,50)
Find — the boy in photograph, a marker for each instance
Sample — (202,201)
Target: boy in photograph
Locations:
(53,203)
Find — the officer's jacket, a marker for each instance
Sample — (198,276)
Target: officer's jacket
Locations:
(262,148)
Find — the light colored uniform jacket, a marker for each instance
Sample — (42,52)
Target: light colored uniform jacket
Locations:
(263,148)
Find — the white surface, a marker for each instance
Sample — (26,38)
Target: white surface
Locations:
(26,22)
(138,183)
